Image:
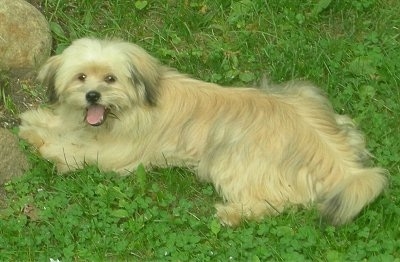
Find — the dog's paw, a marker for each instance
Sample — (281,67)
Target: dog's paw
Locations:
(228,214)
(32,137)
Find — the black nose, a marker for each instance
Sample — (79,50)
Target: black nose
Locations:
(93,96)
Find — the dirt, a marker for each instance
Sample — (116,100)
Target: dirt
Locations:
(17,95)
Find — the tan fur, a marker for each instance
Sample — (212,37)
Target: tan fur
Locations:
(263,149)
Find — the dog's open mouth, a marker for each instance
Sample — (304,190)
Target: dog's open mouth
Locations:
(96,114)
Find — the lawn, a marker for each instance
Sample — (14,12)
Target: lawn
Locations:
(350,48)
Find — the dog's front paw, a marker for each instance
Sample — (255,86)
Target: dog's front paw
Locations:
(228,214)
(35,126)
(32,137)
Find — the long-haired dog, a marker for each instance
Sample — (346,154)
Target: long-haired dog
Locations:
(115,106)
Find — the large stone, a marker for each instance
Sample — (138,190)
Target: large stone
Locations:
(13,162)
(25,38)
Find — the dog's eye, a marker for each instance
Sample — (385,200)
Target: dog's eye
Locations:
(110,79)
(82,77)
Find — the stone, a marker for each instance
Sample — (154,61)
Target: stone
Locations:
(25,37)
(13,162)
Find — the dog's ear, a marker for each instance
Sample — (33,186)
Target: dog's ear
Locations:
(145,73)
(147,85)
(47,75)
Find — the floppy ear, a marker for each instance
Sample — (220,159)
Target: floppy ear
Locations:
(47,75)
(147,85)
(145,73)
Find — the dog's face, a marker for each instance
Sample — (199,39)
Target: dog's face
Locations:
(99,77)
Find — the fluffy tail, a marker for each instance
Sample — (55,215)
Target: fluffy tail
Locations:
(358,191)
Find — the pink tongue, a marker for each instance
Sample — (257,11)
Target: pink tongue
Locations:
(95,114)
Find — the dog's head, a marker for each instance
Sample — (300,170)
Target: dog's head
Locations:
(99,76)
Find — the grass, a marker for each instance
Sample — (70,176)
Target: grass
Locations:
(4,89)
(350,48)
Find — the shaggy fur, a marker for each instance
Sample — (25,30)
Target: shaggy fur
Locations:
(114,105)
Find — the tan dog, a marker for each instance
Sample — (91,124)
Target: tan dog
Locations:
(116,106)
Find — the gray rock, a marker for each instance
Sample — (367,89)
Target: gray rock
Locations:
(13,162)
(25,38)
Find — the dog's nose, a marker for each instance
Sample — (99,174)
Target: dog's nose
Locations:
(93,96)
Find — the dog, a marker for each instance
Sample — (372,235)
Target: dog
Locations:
(113,105)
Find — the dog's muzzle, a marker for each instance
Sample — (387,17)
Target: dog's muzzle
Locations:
(95,113)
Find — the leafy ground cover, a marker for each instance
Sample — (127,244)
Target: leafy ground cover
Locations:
(350,48)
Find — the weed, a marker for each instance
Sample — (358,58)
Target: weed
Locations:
(5,90)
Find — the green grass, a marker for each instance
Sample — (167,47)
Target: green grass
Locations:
(350,48)
(4,90)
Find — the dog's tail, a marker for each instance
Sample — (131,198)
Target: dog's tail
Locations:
(361,188)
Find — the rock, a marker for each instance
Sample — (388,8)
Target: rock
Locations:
(25,38)
(13,162)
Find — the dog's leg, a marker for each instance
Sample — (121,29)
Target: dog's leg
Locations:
(35,125)
(251,189)
(47,133)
